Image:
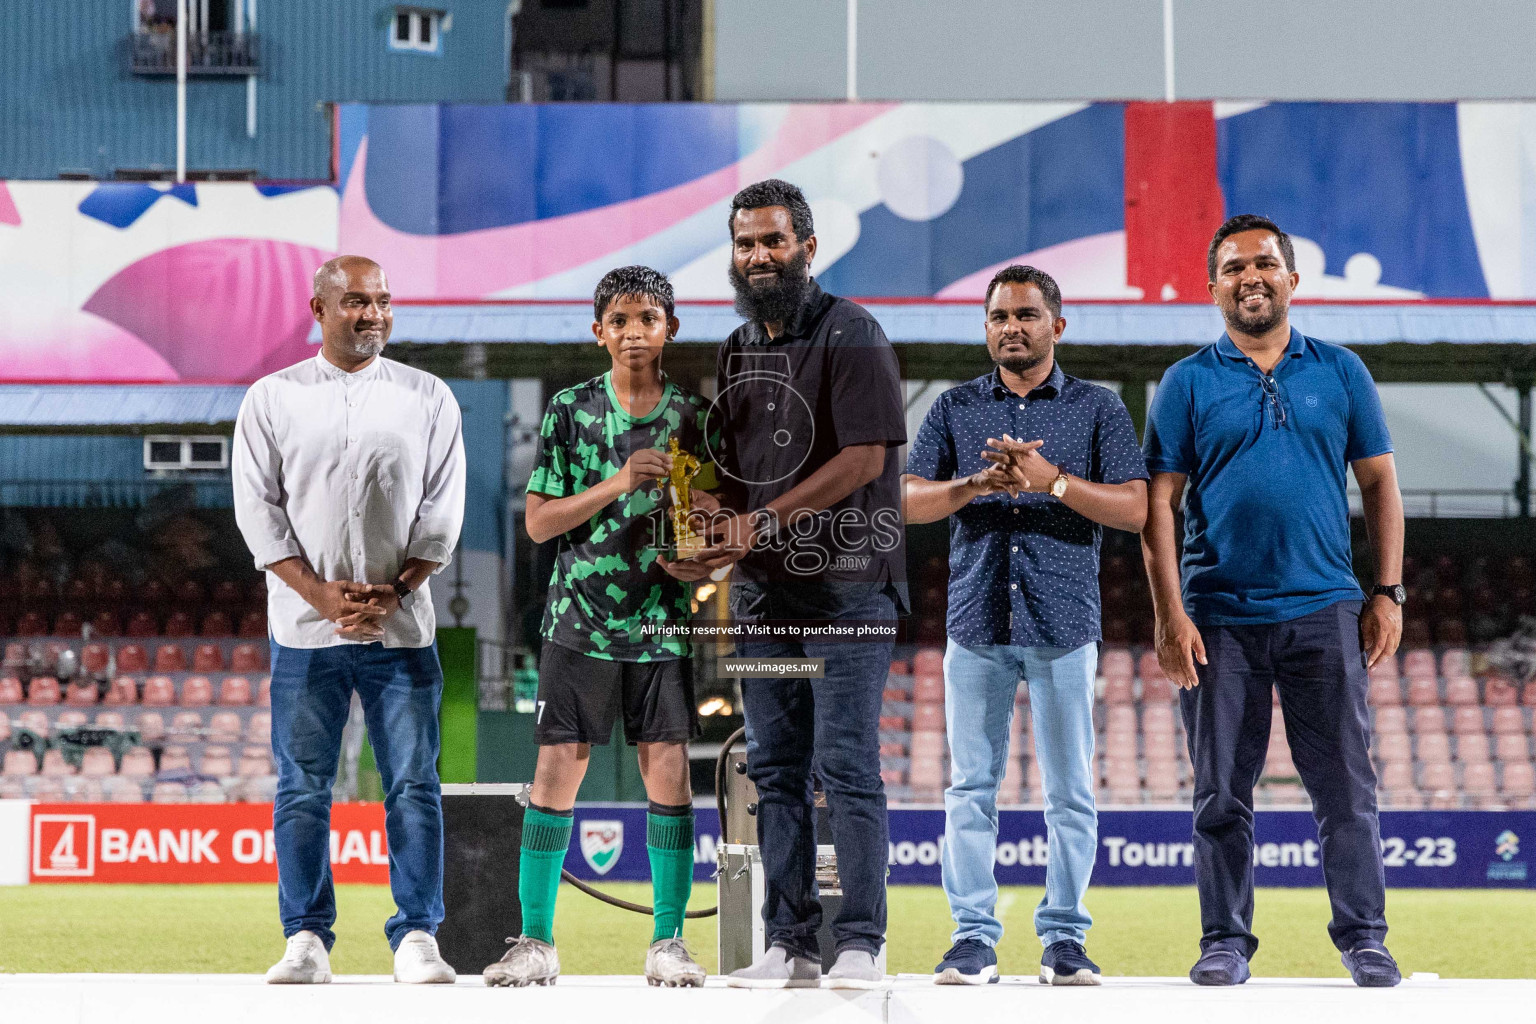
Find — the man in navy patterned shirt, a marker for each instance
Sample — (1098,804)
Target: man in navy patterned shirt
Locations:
(1029,464)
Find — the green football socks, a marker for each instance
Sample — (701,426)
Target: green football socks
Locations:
(545,839)
(669,841)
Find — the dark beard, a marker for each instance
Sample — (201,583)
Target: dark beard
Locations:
(1260,324)
(1020,365)
(777,302)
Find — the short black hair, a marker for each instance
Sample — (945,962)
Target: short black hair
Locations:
(1018,273)
(1249,222)
(641,282)
(774,192)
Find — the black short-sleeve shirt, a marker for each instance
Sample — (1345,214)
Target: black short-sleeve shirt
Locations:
(787,405)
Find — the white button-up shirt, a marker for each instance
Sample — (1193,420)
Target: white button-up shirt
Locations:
(354,472)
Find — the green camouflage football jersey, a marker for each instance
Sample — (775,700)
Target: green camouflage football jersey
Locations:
(606,585)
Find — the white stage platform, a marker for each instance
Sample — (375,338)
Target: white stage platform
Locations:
(238,999)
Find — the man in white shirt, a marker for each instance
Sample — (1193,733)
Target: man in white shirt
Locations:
(349,489)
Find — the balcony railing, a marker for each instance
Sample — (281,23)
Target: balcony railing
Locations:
(208,53)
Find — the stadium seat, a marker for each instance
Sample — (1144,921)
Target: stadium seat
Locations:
(142,625)
(216,624)
(1430,719)
(1395,776)
(137,763)
(1450,631)
(1461,691)
(206,792)
(1511,746)
(35,721)
(151,727)
(1384,691)
(1157,689)
(259,729)
(83,790)
(1119,690)
(82,693)
(1120,718)
(247,658)
(1423,691)
(120,790)
(253,624)
(1507,719)
(179,624)
(264,692)
(109,720)
(928,661)
(1390,719)
(928,688)
(175,759)
(1472,748)
(186,727)
(196,692)
(1519,781)
(124,690)
(1148,667)
(170,658)
(168,793)
(97,762)
(5,726)
(207,658)
(95,660)
(43,691)
(216,762)
(47,789)
(159,691)
(104,623)
(1432,746)
(132,658)
(1416,631)
(31,624)
(928,718)
(1393,747)
(1467,720)
(67,624)
(224,727)
(54,764)
(10,690)
(19,762)
(1528,695)
(1401,800)
(1455,661)
(235,691)
(1500,693)
(1437,781)
(69,720)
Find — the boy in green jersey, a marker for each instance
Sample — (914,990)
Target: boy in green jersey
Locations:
(603,449)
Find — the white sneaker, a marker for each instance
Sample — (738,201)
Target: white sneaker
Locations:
(417,961)
(855,968)
(669,963)
(304,962)
(777,969)
(528,962)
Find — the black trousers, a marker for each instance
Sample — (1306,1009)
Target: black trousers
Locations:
(1317,665)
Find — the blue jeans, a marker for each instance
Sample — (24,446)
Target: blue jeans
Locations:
(979,688)
(1316,664)
(401,689)
(829,726)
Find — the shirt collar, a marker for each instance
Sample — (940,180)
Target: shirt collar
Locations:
(334,372)
(1228,349)
(1054,382)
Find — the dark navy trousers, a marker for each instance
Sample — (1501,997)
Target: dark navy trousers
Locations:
(1317,665)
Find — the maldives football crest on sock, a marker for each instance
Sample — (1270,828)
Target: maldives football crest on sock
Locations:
(601,844)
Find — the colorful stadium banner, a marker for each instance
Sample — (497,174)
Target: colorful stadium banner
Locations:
(180,843)
(1421,849)
(913,202)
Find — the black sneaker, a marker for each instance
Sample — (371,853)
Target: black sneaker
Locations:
(1067,963)
(1219,967)
(968,962)
(1372,966)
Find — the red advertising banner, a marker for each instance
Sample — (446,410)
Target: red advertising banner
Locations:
(181,843)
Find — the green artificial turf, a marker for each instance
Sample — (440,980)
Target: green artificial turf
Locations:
(1138,932)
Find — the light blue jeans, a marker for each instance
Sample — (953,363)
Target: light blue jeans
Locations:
(980,684)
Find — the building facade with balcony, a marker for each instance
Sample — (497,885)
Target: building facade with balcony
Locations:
(88,88)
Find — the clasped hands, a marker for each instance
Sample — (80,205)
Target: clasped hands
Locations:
(1016,467)
(358,609)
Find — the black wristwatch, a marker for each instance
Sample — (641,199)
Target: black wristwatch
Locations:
(402,590)
(1396,591)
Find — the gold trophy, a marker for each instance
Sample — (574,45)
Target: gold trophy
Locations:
(680,482)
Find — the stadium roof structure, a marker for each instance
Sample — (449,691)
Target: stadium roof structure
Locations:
(1411,341)
(98,408)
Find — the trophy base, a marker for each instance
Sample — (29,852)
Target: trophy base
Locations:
(688,547)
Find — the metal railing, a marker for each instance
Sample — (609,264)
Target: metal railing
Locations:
(211,491)
(208,53)
(1465,503)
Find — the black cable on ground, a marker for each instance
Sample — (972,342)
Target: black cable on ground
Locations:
(640,908)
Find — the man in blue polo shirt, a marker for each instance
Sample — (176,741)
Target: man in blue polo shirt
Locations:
(1262,425)
(1026,462)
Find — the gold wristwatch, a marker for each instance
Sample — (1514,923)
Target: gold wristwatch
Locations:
(1059,485)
